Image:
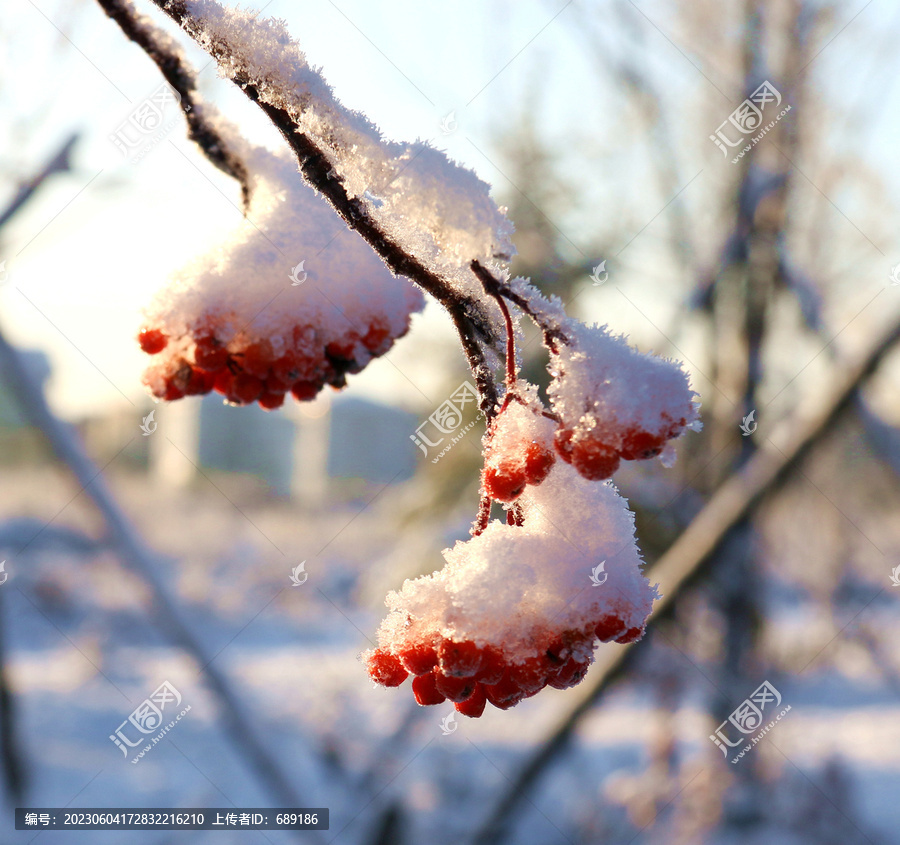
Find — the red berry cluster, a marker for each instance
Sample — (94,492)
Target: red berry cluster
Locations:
(591,452)
(245,370)
(470,676)
(512,462)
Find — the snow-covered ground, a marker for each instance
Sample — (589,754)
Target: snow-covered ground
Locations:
(84,648)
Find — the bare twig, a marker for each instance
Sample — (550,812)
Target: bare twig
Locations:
(60,163)
(733,501)
(174,67)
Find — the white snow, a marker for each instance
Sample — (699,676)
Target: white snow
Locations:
(600,383)
(245,289)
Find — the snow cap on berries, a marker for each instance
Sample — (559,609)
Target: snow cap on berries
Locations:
(518,446)
(518,590)
(291,298)
(613,400)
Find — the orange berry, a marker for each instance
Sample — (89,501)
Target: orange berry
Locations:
(384,668)
(473,706)
(538,463)
(641,445)
(594,460)
(271,401)
(152,341)
(460,660)
(210,353)
(456,689)
(425,691)
(256,359)
(492,666)
(244,389)
(608,628)
(504,482)
(419,659)
(304,390)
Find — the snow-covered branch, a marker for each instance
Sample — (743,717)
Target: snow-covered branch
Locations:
(169,58)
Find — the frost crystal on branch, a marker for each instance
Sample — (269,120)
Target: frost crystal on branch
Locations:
(431,207)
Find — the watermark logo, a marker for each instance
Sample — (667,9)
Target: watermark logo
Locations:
(596,580)
(895,575)
(449,124)
(298,275)
(448,420)
(148,425)
(145,127)
(748,118)
(748,424)
(147,718)
(4,575)
(747,717)
(894,277)
(296,572)
(449,724)
(596,278)
(4,273)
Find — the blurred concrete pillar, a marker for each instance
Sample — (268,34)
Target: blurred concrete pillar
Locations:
(309,481)
(177,425)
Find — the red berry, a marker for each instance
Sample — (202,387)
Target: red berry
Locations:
(273,384)
(608,628)
(271,401)
(210,353)
(641,445)
(172,392)
(492,666)
(198,382)
(256,359)
(378,334)
(504,694)
(456,689)
(504,482)
(291,367)
(630,636)
(222,381)
(570,674)
(384,668)
(244,389)
(152,341)
(344,349)
(419,659)
(425,691)
(305,390)
(538,463)
(460,660)
(594,460)
(562,440)
(530,676)
(473,706)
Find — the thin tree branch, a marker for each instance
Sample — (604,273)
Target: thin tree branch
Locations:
(733,501)
(60,163)
(174,67)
